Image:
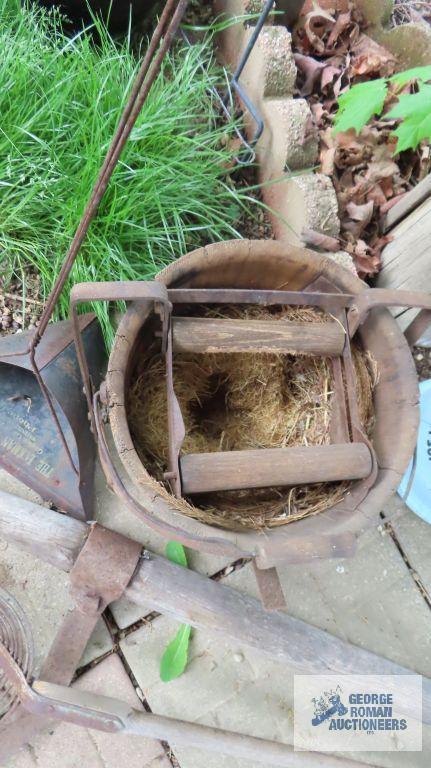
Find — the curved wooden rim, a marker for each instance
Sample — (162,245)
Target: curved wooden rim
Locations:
(333,532)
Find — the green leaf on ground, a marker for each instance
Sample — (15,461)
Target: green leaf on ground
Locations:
(416,73)
(176,553)
(174,659)
(414,109)
(359,103)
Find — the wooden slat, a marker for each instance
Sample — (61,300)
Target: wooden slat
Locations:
(406,262)
(203,335)
(407,204)
(235,470)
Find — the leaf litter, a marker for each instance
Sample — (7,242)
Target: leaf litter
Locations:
(333,52)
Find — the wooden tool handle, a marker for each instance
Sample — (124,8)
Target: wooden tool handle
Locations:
(204,335)
(235,470)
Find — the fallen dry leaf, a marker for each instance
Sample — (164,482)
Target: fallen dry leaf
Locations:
(311,70)
(370,58)
(341,24)
(362,213)
(315,25)
(332,52)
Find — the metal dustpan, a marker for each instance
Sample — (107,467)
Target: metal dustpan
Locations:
(57,463)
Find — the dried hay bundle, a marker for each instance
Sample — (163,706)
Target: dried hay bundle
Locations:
(243,401)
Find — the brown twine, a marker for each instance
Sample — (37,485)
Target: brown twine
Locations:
(243,401)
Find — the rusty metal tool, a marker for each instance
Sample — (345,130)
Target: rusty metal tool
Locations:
(110,715)
(29,445)
(102,570)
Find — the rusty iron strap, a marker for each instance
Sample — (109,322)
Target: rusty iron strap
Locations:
(213,545)
(384,297)
(151,292)
(101,573)
(160,44)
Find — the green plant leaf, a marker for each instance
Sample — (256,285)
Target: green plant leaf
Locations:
(416,73)
(174,659)
(414,109)
(359,103)
(176,553)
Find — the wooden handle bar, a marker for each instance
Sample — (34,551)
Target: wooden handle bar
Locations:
(235,470)
(196,334)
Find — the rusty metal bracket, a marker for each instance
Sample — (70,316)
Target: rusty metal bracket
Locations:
(364,302)
(270,589)
(149,292)
(213,545)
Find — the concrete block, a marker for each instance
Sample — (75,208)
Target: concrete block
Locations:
(289,141)
(73,747)
(270,71)
(303,201)
(231,40)
(410,43)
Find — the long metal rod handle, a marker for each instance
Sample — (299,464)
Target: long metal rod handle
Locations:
(111,715)
(147,74)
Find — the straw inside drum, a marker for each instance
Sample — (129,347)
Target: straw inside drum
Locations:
(244,401)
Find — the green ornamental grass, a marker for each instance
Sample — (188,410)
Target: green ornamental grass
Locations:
(60,100)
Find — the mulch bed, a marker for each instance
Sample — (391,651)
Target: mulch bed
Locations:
(20,306)
(422,358)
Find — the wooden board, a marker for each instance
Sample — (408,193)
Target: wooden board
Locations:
(407,261)
(233,470)
(407,204)
(205,335)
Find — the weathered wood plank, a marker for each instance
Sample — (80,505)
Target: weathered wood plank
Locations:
(407,204)
(205,335)
(234,470)
(52,537)
(192,598)
(407,261)
(208,605)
